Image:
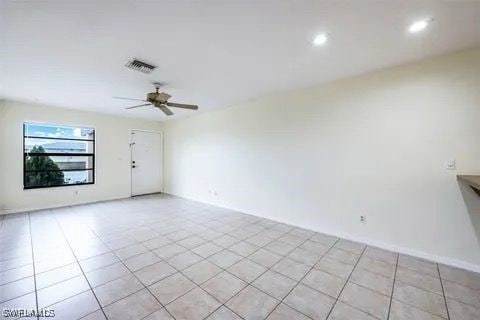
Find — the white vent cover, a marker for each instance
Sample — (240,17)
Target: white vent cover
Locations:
(141,66)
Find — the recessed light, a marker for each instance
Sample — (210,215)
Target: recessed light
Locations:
(419,25)
(320,39)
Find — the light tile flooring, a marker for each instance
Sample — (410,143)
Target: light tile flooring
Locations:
(161,257)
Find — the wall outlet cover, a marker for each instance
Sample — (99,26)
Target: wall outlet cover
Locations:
(450,164)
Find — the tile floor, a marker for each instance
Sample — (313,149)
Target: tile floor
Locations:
(161,257)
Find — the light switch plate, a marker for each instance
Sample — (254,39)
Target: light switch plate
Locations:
(450,164)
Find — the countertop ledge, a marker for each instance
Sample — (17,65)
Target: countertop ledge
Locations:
(472,180)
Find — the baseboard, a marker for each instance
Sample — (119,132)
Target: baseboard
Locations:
(39,208)
(390,247)
(368,241)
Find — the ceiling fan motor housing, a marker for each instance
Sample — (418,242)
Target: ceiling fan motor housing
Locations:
(151,96)
(161,97)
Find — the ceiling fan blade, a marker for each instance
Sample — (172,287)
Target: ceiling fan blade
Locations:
(123,98)
(140,105)
(165,110)
(183,106)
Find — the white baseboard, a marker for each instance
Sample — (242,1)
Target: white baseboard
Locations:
(391,247)
(39,208)
(368,241)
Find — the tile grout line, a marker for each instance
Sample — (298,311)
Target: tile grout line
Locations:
(376,272)
(79,265)
(416,286)
(401,301)
(443,291)
(332,246)
(267,269)
(393,287)
(346,282)
(181,271)
(286,256)
(423,310)
(10,269)
(224,270)
(299,281)
(243,258)
(226,248)
(420,288)
(223,248)
(373,290)
(428,291)
(161,259)
(33,265)
(206,259)
(367,288)
(133,274)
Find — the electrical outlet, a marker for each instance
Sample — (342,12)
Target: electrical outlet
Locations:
(363,219)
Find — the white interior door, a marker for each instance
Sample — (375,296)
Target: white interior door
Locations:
(146,162)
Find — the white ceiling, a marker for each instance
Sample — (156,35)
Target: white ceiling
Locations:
(212,53)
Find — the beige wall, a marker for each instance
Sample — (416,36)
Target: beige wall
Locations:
(373,145)
(112,156)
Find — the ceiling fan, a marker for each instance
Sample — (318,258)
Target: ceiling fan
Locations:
(159,100)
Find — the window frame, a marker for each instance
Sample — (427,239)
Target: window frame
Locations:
(26,154)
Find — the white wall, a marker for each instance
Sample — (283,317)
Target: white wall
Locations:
(372,145)
(112,179)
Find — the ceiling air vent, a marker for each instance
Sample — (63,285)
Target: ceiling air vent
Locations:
(140,66)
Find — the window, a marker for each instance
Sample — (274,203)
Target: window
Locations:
(56,155)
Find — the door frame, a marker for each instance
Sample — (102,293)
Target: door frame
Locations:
(161,158)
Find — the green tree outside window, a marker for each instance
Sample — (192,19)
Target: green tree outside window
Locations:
(38,163)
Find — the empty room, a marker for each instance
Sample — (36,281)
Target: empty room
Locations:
(225,160)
